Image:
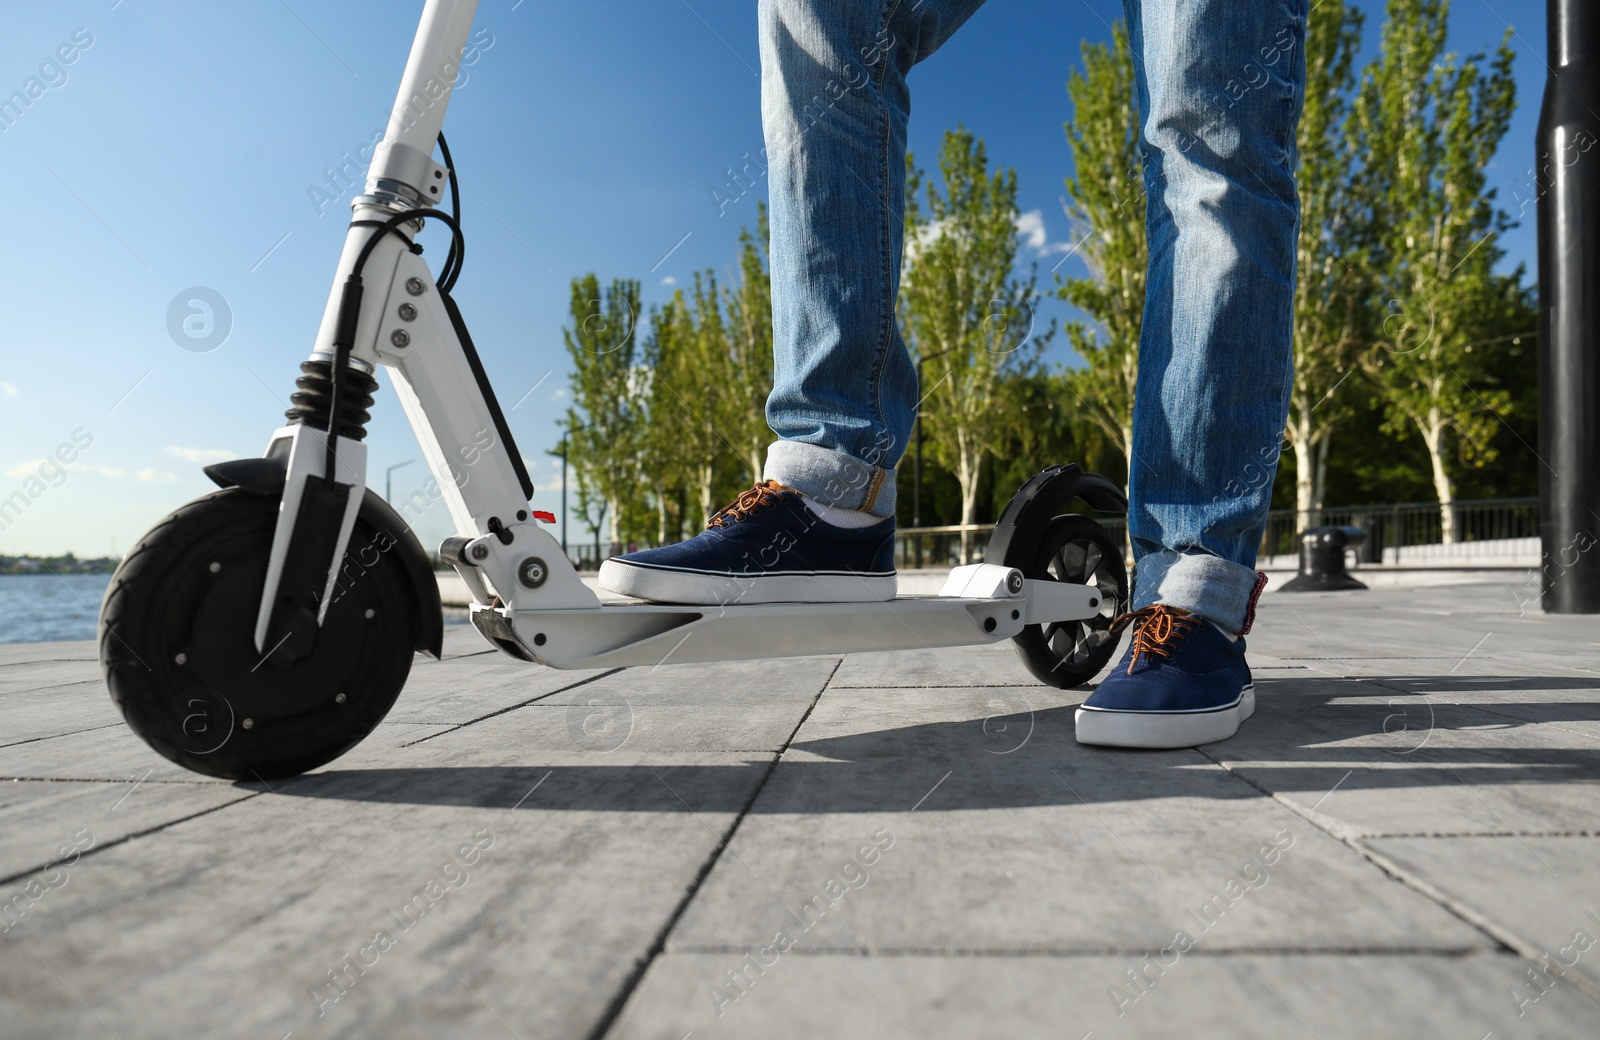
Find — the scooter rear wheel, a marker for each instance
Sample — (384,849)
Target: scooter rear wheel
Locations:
(178,652)
(1073,549)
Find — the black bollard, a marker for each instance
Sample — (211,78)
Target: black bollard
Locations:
(1322,560)
(1568,183)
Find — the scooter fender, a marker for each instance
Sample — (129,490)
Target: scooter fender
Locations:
(265,476)
(1042,498)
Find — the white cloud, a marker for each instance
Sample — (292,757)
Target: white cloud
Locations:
(1030,226)
(151,475)
(31,468)
(8,389)
(201,454)
(669,280)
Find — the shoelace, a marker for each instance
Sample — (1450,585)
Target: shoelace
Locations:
(1158,629)
(762,495)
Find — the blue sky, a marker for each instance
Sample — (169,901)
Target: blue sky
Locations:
(180,147)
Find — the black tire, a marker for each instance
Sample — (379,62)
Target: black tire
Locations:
(178,653)
(1073,549)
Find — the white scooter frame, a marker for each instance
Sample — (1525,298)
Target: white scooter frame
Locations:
(528,598)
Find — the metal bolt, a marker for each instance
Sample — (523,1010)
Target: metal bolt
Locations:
(533,572)
(400,338)
(215,567)
(248,723)
(181,658)
(370,614)
(415,287)
(1014,581)
(408,312)
(480,552)
(338,698)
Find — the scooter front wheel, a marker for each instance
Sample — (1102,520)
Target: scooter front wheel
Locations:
(178,651)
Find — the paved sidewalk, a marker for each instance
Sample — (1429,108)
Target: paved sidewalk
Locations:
(1404,842)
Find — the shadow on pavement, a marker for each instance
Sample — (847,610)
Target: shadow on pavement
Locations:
(1307,734)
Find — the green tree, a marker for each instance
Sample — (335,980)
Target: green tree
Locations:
(1106,206)
(691,390)
(964,312)
(607,389)
(749,325)
(1426,124)
(1333,289)
(666,455)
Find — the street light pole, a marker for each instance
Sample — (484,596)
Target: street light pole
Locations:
(388,475)
(563,493)
(1569,311)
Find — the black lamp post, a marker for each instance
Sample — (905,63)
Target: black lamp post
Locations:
(1568,180)
(563,493)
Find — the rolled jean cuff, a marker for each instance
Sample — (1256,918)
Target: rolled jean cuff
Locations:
(831,477)
(1216,589)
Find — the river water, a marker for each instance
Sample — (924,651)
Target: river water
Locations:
(47,608)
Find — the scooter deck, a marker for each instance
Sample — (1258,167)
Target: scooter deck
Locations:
(632,632)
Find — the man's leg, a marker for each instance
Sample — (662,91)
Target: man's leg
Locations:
(820,527)
(1220,89)
(1220,84)
(834,107)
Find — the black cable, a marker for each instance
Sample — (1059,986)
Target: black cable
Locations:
(350,299)
(452,261)
(394,222)
(350,313)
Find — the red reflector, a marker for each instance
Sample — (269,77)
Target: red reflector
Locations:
(544,516)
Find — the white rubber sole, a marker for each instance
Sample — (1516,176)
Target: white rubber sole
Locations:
(1163,729)
(665,585)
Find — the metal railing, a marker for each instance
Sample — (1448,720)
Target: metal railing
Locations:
(923,547)
(1486,532)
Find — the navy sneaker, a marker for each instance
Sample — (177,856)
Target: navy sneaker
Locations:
(1181,683)
(767,547)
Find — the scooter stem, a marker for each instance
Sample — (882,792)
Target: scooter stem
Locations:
(405,158)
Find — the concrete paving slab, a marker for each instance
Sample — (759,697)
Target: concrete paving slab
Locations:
(610,723)
(48,822)
(1047,846)
(1195,997)
(995,665)
(25,676)
(461,922)
(731,683)
(28,653)
(1543,890)
(51,711)
(732,706)
(1412,764)
(464,641)
(114,753)
(1417,745)
(461,689)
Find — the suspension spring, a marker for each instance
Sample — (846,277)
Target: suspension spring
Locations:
(313,399)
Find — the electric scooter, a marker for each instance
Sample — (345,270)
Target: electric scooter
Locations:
(266,628)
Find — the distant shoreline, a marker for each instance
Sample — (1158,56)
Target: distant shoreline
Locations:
(48,565)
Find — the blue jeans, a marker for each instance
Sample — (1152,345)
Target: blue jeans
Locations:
(1220,85)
